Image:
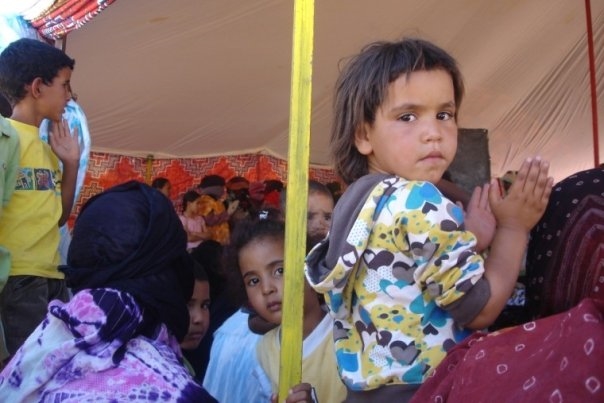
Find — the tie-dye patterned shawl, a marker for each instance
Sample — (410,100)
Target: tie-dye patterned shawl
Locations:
(91,349)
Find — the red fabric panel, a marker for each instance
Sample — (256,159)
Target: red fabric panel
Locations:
(106,170)
(555,359)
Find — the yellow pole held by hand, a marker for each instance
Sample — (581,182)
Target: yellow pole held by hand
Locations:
(290,369)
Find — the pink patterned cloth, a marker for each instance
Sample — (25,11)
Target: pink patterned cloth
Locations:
(93,349)
(559,358)
(193,224)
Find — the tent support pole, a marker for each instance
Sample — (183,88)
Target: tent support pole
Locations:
(290,367)
(592,81)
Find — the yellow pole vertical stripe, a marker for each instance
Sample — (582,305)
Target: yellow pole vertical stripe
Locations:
(290,372)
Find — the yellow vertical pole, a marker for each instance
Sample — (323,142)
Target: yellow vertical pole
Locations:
(290,372)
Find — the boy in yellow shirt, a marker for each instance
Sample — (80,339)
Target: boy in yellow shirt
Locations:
(35,78)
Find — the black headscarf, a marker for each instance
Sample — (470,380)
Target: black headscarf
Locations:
(130,238)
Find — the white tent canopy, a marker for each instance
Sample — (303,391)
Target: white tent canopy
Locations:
(187,78)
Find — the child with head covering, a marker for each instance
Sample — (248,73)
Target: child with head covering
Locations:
(117,339)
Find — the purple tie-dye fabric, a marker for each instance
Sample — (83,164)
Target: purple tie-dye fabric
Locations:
(90,349)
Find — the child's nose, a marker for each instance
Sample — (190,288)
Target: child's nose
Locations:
(196,317)
(268,287)
(432,130)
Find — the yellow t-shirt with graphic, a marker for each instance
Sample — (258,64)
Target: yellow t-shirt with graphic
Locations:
(30,229)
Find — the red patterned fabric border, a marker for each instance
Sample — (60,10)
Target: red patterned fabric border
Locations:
(106,170)
(67,15)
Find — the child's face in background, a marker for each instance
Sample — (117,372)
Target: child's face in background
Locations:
(320,208)
(192,206)
(414,135)
(199,315)
(261,265)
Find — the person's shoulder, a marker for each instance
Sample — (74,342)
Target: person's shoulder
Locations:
(27,133)
(7,130)
(272,334)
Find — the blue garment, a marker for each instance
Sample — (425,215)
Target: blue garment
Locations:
(234,373)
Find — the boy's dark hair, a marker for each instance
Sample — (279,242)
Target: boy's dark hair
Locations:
(212,180)
(159,182)
(362,87)
(189,197)
(247,231)
(26,59)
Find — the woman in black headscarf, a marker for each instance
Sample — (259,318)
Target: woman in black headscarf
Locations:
(117,339)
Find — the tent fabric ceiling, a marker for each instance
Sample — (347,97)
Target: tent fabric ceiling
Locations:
(188,78)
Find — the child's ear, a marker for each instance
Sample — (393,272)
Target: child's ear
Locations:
(361,140)
(35,88)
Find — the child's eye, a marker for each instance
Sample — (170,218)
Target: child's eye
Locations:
(205,306)
(445,116)
(279,272)
(407,117)
(252,282)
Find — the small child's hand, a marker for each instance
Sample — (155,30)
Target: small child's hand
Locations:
(302,392)
(479,219)
(65,145)
(527,198)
